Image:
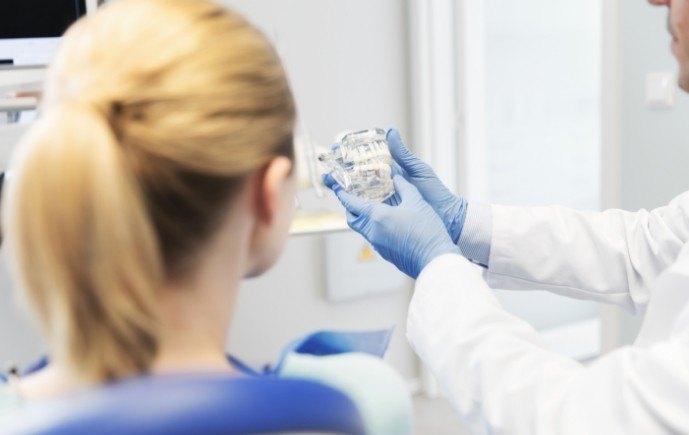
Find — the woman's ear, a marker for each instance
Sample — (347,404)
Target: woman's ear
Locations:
(274,189)
(273,195)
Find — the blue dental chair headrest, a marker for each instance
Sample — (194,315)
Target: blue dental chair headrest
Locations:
(208,404)
(173,405)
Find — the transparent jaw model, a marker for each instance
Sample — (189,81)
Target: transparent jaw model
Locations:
(360,163)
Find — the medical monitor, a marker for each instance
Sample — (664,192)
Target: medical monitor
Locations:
(30,30)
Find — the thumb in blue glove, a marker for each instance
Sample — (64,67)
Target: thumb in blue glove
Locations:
(409,235)
(451,208)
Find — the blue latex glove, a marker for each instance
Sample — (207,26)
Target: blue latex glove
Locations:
(452,209)
(409,234)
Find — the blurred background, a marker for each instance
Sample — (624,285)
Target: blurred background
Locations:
(534,102)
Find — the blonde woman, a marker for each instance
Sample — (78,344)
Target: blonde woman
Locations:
(159,176)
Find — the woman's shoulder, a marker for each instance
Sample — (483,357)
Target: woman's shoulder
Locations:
(379,392)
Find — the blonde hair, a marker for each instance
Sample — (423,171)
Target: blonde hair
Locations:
(155,112)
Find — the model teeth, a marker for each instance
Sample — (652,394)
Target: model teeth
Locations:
(360,163)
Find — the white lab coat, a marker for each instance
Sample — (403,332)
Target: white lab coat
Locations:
(494,367)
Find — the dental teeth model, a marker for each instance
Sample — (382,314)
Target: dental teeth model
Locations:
(360,163)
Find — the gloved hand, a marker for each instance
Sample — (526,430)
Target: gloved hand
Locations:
(452,209)
(409,234)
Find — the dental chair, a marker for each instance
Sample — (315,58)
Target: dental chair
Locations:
(182,405)
(259,402)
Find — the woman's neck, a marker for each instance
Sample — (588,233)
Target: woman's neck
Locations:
(196,313)
(194,333)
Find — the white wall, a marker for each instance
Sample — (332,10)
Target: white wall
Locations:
(655,143)
(19,338)
(19,341)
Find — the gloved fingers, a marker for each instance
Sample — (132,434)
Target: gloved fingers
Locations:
(329,181)
(354,222)
(407,161)
(353,204)
(396,169)
(406,190)
(359,224)
(394,200)
(350,218)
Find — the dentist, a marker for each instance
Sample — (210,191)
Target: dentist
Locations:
(493,366)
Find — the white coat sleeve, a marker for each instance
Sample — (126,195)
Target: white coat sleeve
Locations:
(609,256)
(497,373)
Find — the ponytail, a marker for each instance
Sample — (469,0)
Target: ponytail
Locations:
(84,247)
